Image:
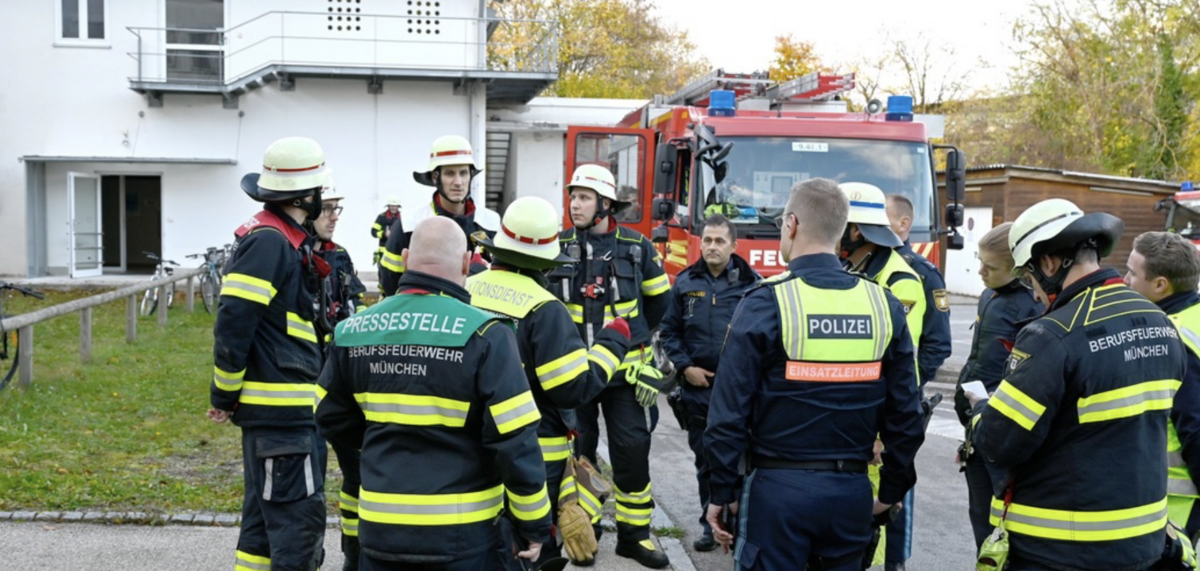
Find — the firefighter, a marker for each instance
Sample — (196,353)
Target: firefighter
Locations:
(934,345)
(432,391)
(1079,423)
(451,171)
(1165,268)
(817,363)
(344,293)
(870,247)
(693,330)
(619,274)
(267,358)
(563,373)
(382,228)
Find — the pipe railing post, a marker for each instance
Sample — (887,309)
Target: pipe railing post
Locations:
(25,354)
(85,335)
(131,314)
(162,305)
(191,294)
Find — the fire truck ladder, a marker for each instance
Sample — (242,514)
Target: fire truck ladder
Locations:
(741,84)
(815,86)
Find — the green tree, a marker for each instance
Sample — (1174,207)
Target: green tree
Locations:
(605,48)
(794,58)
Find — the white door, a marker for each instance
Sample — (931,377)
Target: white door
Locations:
(962,266)
(83,226)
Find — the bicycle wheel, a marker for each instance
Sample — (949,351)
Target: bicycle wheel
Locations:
(208,292)
(149,302)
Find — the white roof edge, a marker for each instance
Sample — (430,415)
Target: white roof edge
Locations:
(154,160)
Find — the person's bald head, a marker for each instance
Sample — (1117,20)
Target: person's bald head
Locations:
(439,248)
(900,214)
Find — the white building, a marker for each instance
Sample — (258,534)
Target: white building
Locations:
(128,124)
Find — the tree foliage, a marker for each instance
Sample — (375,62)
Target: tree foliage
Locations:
(605,48)
(794,58)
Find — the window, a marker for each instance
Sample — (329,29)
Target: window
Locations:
(80,21)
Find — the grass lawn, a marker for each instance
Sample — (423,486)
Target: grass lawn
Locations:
(126,432)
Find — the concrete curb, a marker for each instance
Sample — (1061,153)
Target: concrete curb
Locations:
(136,518)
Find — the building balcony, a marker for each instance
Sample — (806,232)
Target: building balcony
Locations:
(515,59)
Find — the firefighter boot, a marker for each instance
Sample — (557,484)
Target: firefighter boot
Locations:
(643,552)
(350,551)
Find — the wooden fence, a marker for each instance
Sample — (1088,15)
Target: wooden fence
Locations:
(24,323)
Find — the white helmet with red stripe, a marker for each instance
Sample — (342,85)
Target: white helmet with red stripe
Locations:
(528,236)
(449,150)
(293,167)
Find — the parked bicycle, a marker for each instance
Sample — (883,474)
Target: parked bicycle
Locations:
(9,339)
(164,269)
(210,280)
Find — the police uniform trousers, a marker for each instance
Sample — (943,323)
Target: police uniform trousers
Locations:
(697,421)
(788,516)
(629,452)
(348,460)
(899,531)
(283,511)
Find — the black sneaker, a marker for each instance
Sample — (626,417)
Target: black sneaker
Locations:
(645,553)
(705,543)
(893,566)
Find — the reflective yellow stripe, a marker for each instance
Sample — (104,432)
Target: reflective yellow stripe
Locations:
(431,509)
(515,412)
(249,288)
(655,286)
(635,356)
(1128,401)
(608,361)
(634,498)
(347,502)
(394,262)
(1016,405)
(318,395)
(632,516)
(278,394)
(626,309)
(413,410)
(298,327)
(529,508)
(377,227)
(563,369)
(590,503)
(247,562)
(576,312)
(555,448)
(566,488)
(350,526)
(227,381)
(1082,526)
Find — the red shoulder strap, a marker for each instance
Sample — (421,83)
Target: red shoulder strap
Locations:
(267,219)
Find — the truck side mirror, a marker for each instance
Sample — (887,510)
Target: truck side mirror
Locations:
(954,241)
(667,158)
(662,209)
(954,215)
(956,176)
(660,234)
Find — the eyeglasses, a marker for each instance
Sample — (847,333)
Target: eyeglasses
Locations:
(332,211)
(782,220)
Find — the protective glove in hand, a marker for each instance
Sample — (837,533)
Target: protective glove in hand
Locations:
(579,541)
(648,381)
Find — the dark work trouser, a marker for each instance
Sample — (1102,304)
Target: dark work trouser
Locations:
(629,451)
(900,530)
(348,460)
(554,474)
(788,516)
(482,561)
(980,491)
(697,422)
(283,511)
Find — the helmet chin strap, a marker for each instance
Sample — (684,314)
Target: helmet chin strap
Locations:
(1053,284)
(312,210)
(849,246)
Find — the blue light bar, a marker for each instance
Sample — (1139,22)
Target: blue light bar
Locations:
(721,103)
(899,108)
(1186,187)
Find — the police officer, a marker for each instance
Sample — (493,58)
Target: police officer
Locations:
(431,390)
(344,295)
(869,246)
(934,345)
(563,373)
(818,362)
(382,228)
(451,171)
(267,359)
(1003,307)
(619,274)
(1080,421)
(1165,268)
(693,331)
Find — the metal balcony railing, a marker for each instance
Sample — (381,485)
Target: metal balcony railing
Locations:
(216,60)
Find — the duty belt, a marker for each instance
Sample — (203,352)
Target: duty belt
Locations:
(854,466)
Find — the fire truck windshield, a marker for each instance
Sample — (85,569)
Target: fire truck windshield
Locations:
(762,170)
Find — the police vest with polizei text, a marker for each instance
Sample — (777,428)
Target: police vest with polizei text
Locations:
(827,345)
(432,320)
(1179,478)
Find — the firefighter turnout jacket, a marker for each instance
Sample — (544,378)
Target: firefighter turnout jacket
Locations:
(265,349)
(934,346)
(382,223)
(476,219)
(346,291)
(817,363)
(1183,429)
(433,393)
(621,276)
(1080,426)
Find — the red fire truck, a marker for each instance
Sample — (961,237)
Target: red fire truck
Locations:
(741,141)
(1183,212)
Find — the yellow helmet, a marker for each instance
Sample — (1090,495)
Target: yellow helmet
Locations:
(528,236)
(293,167)
(446,151)
(868,209)
(1057,224)
(597,178)
(393,200)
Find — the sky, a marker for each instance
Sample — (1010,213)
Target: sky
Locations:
(740,36)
